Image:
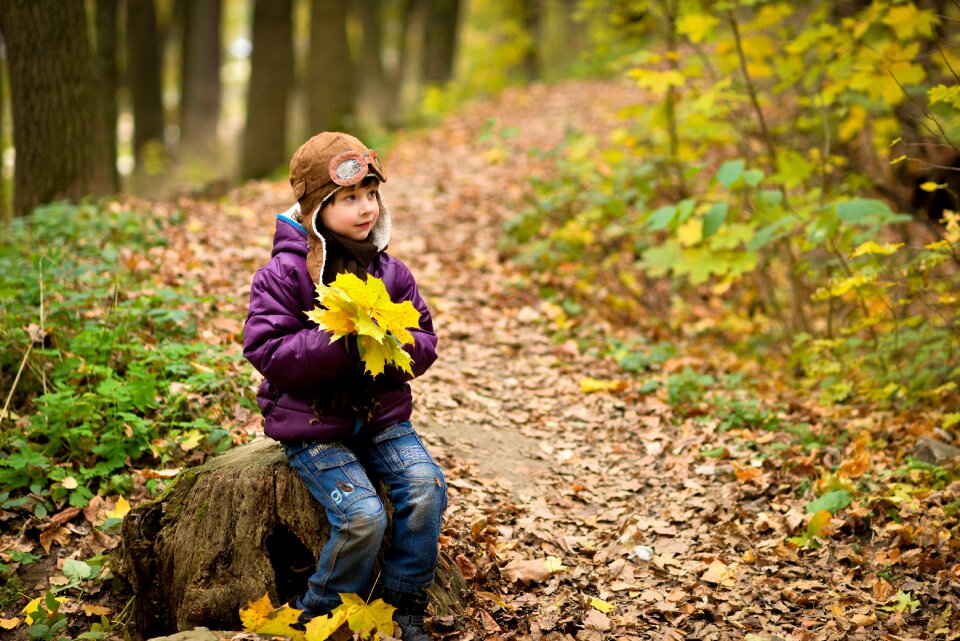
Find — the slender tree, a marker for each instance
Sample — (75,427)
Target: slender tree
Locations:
(531,23)
(144,63)
(330,96)
(271,79)
(6,212)
(439,40)
(106,28)
(57,124)
(394,75)
(372,89)
(200,93)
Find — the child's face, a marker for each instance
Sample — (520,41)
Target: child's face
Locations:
(353,212)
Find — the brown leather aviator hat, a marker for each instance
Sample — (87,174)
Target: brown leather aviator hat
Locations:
(326,163)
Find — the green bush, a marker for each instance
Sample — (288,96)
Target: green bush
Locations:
(739,197)
(118,379)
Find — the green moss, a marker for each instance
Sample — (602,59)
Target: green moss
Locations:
(10,591)
(202,510)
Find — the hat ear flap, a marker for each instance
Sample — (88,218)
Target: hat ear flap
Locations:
(317,253)
(380,235)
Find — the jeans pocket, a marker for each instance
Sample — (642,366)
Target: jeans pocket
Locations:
(400,448)
(333,475)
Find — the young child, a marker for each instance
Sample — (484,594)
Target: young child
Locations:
(337,423)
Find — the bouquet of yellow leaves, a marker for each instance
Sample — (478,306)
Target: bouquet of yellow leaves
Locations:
(352,306)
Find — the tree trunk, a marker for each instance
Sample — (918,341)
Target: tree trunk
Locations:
(329,82)
(372,91)
(106,27)
(57,126)
(271,78)
(531,24)
(144,62)
(200,75)
(6,210)
(241,526)
(394,76)
(439,40)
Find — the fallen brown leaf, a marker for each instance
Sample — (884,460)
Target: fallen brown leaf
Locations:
(526,571)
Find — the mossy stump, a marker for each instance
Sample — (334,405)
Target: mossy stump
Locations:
(226,533)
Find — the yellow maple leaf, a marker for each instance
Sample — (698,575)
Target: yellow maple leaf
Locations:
(600,604)
(376,355)
(690,233)
(397,318)
(554,564)
(262,618)
(370,619)
(872,247)
(657,81)
(320,628)
(337,318)
(32,609)
(119,510)
(589,385)
(9,624)
(697,26)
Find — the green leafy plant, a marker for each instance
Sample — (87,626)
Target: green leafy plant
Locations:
(687,388)
(769,215)
(103,369)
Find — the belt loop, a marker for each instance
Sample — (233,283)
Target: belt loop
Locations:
(357,426)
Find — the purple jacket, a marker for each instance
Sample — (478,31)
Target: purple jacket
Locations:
(294,357)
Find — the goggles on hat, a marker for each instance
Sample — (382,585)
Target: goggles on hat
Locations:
(350,167)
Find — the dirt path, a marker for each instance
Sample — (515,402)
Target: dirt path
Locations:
(563,502)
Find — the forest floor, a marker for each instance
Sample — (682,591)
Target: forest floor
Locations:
(596,515)
(590,516)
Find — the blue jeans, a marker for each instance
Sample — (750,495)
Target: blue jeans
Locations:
(336,475)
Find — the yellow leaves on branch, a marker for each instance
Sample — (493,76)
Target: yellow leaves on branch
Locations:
(352,306)
(367,620)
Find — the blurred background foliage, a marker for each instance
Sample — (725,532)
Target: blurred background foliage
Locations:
(199,94)
(785,185)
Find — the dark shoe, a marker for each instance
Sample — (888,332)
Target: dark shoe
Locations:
(411,627)
(410,610)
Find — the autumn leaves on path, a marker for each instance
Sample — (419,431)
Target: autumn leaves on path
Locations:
(576,514)
(572,513)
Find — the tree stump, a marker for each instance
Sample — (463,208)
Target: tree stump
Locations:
(226,533)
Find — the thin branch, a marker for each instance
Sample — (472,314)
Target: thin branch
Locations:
(933,165)
(768,141)
(926,112)
(43,374)
(16,380)
(946,61)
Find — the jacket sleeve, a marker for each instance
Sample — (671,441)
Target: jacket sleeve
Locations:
(423,351)
(279,341)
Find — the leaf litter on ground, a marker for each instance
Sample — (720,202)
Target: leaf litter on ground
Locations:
(610,482)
